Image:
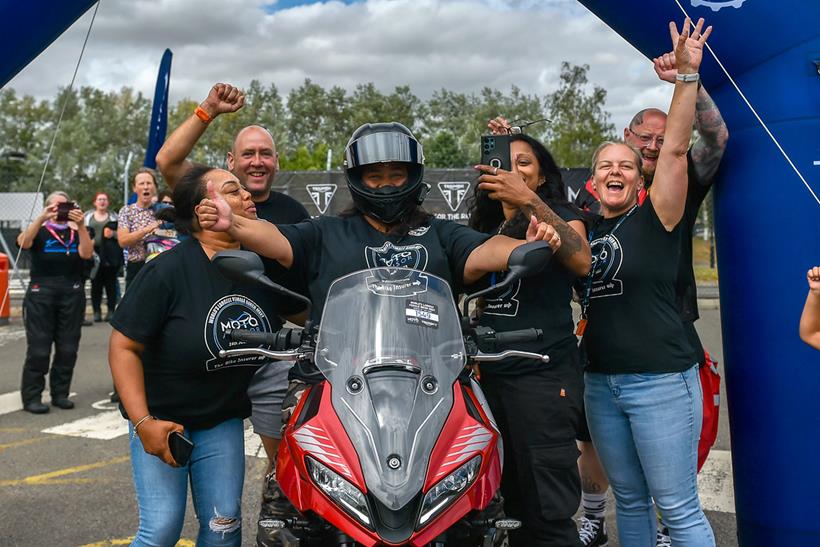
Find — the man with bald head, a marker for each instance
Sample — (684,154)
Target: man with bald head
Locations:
(254,161)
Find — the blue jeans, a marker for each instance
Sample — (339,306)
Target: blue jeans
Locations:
(216,471)
(646,428)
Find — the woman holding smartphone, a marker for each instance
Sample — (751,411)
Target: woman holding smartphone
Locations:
(54,304)
(164,357)
(540,482)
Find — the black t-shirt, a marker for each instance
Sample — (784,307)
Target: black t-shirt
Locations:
(326,248)
(179,307)
(685,286)
(282,209)
(55,256)
(541,302)
(633,321)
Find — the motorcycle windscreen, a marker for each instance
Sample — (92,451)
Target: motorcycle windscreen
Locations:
(390,344)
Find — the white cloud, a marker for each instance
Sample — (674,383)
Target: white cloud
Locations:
(462,45)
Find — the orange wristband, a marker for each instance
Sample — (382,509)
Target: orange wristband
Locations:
(202,115)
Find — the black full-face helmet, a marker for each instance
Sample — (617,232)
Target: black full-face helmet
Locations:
(375,143)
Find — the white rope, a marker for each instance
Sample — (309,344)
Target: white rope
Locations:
(759,119)
(6,296)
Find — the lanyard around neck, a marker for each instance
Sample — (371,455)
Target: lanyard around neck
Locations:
(585,298)
(61,240)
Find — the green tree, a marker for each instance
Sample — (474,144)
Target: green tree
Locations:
(578,121)
(442,150)
(303,159)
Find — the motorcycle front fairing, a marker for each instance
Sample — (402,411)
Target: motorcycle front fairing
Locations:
(390,345)
(391,348)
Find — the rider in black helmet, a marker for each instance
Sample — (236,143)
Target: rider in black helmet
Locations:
(383,143)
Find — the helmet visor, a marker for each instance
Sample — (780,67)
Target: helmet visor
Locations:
(383,147)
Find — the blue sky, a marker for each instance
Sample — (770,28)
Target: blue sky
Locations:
(287,4)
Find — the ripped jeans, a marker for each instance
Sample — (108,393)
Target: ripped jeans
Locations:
(217,472)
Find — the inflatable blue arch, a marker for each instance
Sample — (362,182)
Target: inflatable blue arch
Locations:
(767,222)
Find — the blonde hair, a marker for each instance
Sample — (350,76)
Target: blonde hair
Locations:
(607,144)
(58,193)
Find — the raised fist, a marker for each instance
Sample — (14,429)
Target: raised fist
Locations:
(223,98)
(813,277)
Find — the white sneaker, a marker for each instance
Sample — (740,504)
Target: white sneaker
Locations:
(592,532)
(663,539)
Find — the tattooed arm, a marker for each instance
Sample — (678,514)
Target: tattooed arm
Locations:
(574,253)
(509,188)
(708,149)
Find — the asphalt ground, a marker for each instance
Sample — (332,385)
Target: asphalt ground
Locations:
(58,489)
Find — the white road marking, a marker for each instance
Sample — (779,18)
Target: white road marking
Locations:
(105,404)
(715,483)
(11,402)
(105,426)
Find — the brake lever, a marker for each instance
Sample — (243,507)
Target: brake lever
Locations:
(489,357)
(278,355)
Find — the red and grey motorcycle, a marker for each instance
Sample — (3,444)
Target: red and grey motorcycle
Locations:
(396,445)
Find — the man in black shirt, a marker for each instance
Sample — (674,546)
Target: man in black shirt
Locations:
(254,160)
(646,133)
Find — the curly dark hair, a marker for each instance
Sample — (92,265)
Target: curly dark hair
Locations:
(486,215)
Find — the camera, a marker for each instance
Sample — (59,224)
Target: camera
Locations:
(63,208)
(495,151)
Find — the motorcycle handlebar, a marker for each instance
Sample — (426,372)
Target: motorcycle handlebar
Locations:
(281,340)
(518,336)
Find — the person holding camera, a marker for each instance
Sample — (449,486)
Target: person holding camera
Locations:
(103,224)
(54,304)
(540,484)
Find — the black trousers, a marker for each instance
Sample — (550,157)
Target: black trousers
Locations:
(106,278)
(131,271)
(53,315)
(538,414)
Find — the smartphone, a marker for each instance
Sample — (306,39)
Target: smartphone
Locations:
(495,151)
(180,448)
(62,210)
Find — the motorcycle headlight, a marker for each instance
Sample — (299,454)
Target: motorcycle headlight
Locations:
(339,490)
(447,490)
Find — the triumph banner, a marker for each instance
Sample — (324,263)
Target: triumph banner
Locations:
(326,193)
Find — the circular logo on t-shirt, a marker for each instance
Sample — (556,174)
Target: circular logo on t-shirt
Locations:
(233,312)
(607,257)
(505,303)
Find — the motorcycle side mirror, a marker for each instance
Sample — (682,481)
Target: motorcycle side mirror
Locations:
(526,260)
(246,267)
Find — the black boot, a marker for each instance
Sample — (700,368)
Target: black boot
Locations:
(35,407)
(97,316)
